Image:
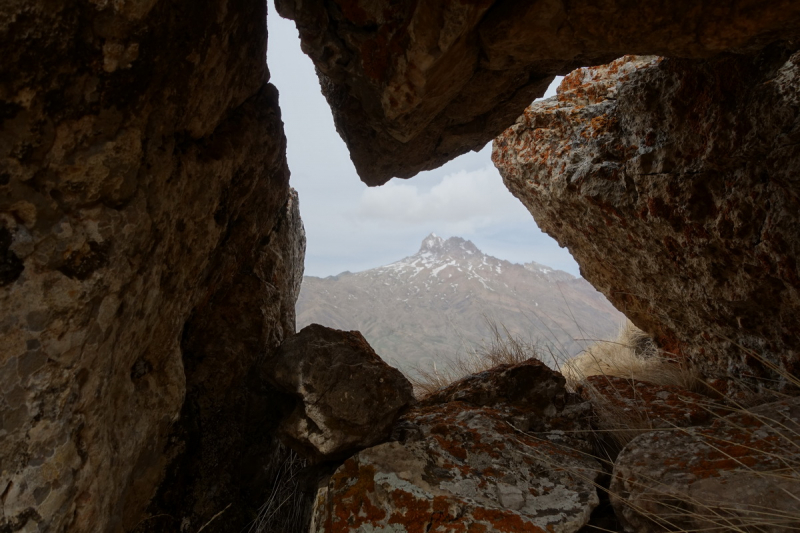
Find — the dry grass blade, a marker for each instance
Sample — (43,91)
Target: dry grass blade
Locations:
(285,508)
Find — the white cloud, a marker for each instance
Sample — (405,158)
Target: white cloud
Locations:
(464,201)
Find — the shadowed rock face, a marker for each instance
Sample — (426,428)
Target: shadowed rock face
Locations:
(348,398)
(414,84)
(674,185)
(149,252)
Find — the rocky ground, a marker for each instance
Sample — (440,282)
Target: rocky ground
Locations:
(511,449)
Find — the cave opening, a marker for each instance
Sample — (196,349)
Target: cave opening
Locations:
(368,267)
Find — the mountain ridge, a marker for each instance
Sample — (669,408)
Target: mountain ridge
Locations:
(428,305)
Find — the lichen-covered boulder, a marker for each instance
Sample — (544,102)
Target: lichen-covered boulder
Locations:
(348,398)
(503,450)
(530,391)
(461,469)
(673,184)
(414,84)
(740,474)
(643,405)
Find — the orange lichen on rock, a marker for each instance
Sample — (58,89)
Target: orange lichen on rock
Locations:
(745,465)
(470,470)
(669,158)
(661,406)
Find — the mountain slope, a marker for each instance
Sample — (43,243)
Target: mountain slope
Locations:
(429,305)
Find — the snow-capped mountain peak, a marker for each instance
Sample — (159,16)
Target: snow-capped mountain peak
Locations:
(457,261)
(432,243)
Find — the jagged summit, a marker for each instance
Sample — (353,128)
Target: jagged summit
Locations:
(437,245)
(445,258)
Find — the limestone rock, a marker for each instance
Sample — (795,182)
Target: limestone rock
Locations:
(414,84)
(465,469)
(349,398)
(673,184)
(740,474)
(142,176)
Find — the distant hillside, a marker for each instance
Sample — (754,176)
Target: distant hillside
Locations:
(433,303)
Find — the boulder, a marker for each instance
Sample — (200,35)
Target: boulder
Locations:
(673,184)
(462,469)
(531,392)
(635,404)
(740,474)
(500,451)
(414,84)
(143,192)
(348,398)
(526,384)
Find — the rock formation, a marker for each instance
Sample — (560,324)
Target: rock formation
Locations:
(414,84)
(150,255)
(151,250)
(347,398)
(460,466)
(674,185)
(740,474)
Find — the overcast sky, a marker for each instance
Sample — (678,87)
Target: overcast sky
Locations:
(353,227)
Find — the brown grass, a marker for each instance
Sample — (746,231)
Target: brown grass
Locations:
(287,505)
(632,355)
(500,348)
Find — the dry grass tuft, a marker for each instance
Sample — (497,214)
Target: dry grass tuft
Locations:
(500,348)
(632,355)
(286,508)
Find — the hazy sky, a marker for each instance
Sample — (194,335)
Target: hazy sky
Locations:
(353,227)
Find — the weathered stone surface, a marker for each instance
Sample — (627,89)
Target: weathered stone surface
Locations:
(348,397)
(528,383)
(485,454)
(530,393)
(674,185)
(741,474)
(462,468)
(142,178)
(414,84)
(640,404)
